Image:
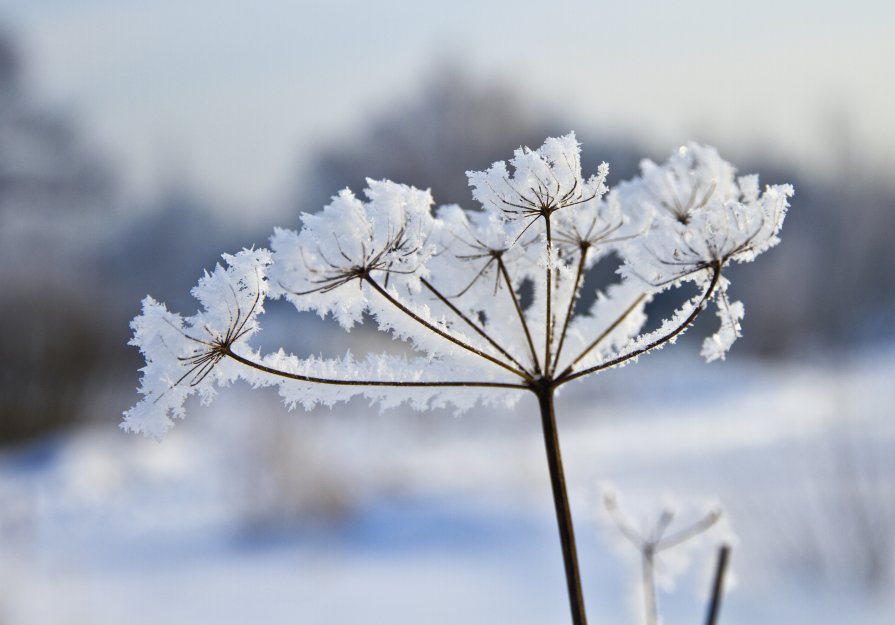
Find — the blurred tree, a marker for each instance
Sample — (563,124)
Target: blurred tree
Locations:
(833,282)
(453,124)
(73,271)
(54,193)
(165,246)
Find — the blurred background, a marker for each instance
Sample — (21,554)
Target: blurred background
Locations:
(139,141)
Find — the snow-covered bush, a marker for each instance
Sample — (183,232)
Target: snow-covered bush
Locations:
(448,283)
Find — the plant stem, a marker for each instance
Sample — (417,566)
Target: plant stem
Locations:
(512,291)
(388,383)
(579,274)
(650,602)
(470,322)
(602,336)
(548,339)
(442,333)
(561,502)
(718,585)
(709,291)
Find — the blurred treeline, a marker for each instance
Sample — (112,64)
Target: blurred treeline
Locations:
(76,258)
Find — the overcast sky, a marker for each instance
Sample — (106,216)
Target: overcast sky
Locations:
(236,94)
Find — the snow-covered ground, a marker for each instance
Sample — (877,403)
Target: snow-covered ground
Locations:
(247,514)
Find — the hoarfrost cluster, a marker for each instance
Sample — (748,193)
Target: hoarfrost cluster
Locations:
(448,282)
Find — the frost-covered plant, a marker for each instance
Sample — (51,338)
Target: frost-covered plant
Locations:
(448,283)
(662,550)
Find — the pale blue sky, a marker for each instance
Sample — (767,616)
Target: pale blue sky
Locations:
(233,91)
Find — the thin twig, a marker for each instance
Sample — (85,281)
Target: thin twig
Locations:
(531,345)
(391,299)
(603,336)
(718,585)
(716,275)
(572,299)
(650,594)
(548,340)
(317,380)
(480,331)
(689,532)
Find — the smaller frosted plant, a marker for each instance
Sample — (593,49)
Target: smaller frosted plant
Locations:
(662,550)
(448,283)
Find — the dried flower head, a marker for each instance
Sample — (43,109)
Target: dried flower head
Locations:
(485,300)
(451,284)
